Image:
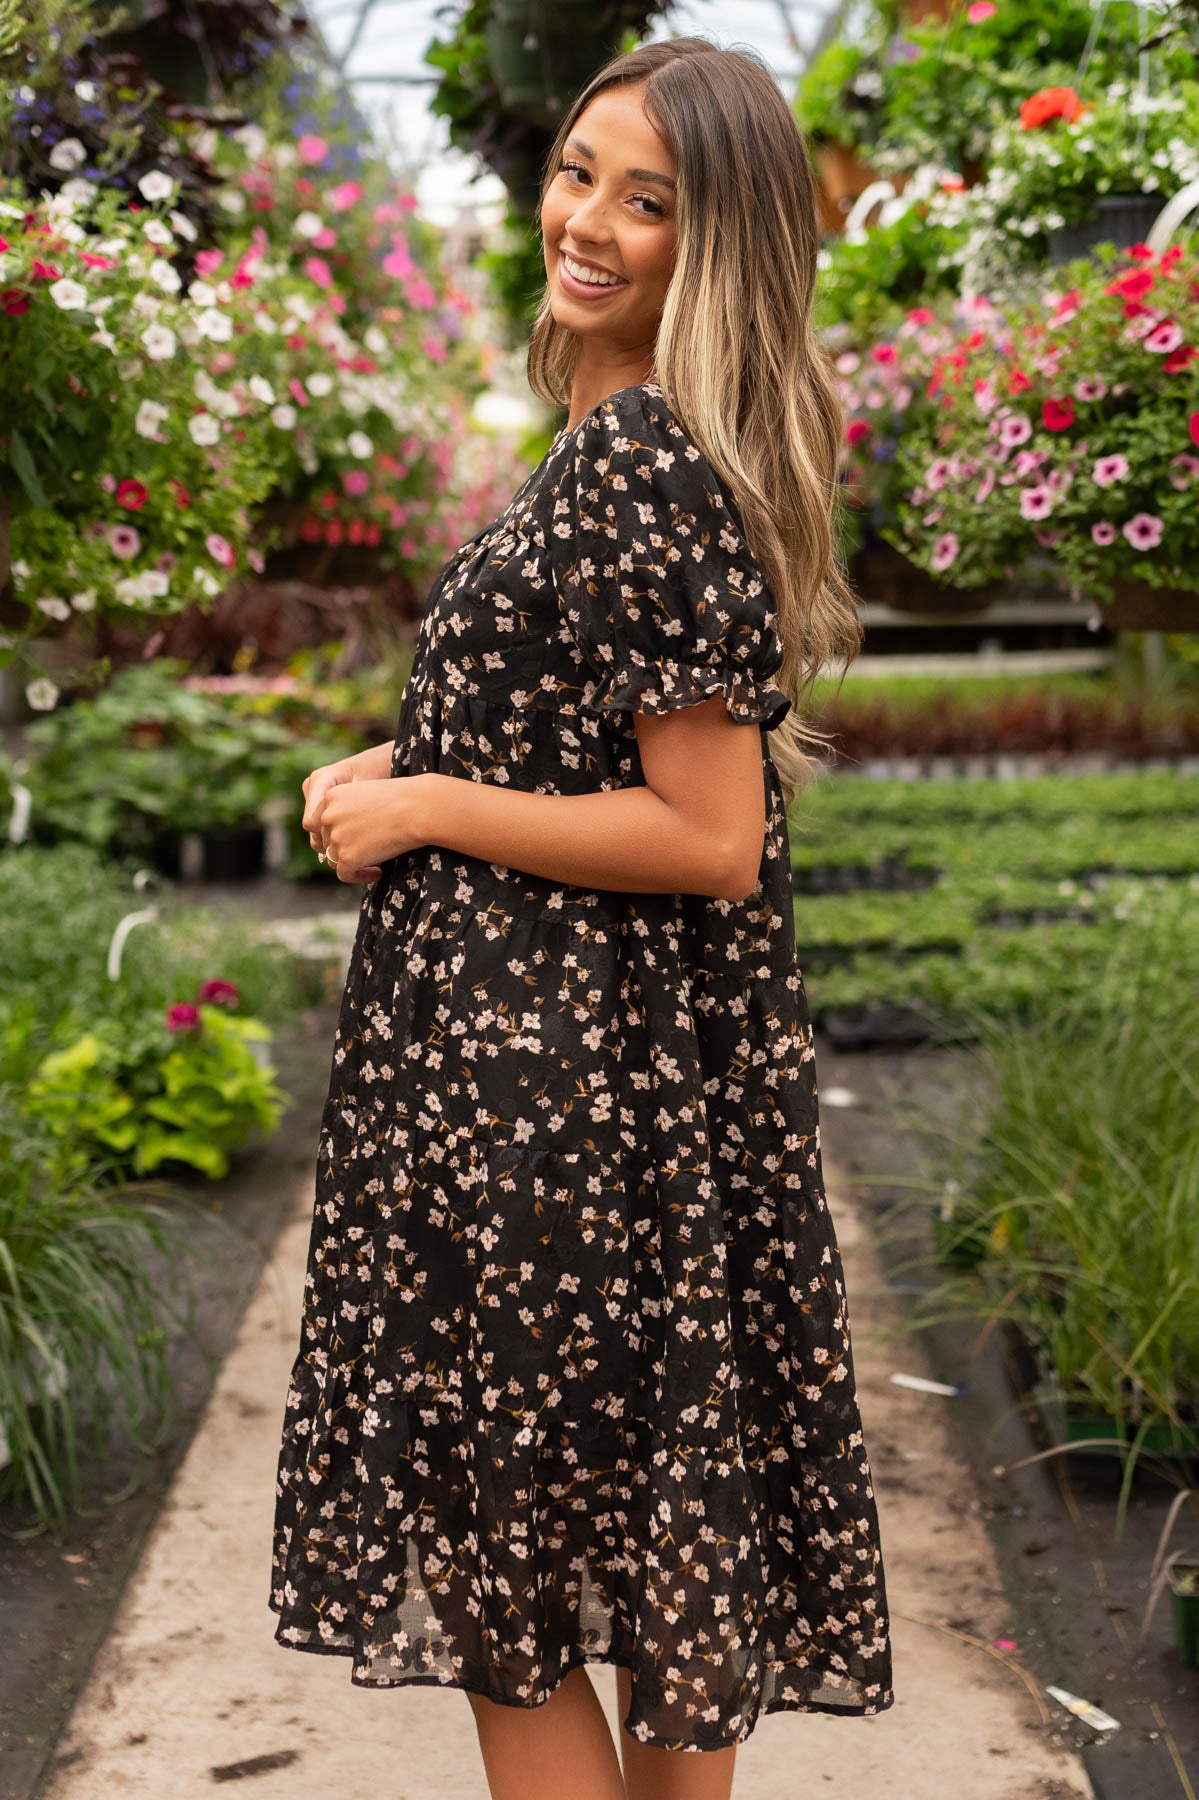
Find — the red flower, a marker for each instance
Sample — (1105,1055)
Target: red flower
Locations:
(44,271)
(1058,415)
(1193,427)
(183,1017)
(15,301)
(1180,359)
(217,993)
(1133,284)
(1049,104)
(312,531)
(131,494)
(856,430)
(182,497)
(373,534)
(297,341)
(3,245)
(333,531)
(356,530)
(1017,382)
(298,392)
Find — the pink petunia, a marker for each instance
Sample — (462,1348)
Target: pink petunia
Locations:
(1165,337)
(1036,503)
(937,472)
(356,482)
(123,541)
(183,1017)
(1144,531)
(298,391)
(345,195)
(220,550)
(1090,388)
(325,239)
(1103,533)
(1184,469)
(1109,469)
(318,270)
(208,262)
(980,11)
(984,487)
(1014,430)
(312,149)
(945,551)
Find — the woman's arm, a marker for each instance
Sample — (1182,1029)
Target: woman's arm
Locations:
(696,827)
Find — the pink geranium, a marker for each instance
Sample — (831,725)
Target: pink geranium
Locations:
(1144,531)
(345,195)
(356,482)
(980,11)
(208,262)
(183,1017)
(318,270)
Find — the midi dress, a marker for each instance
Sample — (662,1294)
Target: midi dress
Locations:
(574,1381)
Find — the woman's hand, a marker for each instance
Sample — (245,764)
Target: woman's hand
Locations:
(360,823)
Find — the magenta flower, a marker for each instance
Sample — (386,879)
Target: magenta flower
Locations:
(183,1017)
(1109,469)
(937,473)
(123,541)
(356,482)
(981,10)
(1144,531)
(1037,502)
(217,993)
(984,487)
(1184,470)
(1102,533)
(312,149)
(318,270)
(208,262)
(1014,430)
(397,263)
(220,550)
(1164,337)
(345,195)
(945,551)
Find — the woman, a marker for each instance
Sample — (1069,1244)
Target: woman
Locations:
(574,1382)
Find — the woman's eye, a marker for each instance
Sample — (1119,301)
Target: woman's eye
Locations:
(569,168)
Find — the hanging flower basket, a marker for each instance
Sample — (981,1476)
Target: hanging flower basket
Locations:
(1136,606)
(543,51)
(886,576)
(1120,219)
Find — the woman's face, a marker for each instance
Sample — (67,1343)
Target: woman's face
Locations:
(610,207)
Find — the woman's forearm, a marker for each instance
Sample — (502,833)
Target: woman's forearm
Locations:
(628,839)
(374,764)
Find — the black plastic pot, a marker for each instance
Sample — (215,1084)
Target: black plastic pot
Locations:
(234,852)
(1185,1608)
(543,51)
(1120,219)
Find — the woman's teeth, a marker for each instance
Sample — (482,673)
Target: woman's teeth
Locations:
(590,275)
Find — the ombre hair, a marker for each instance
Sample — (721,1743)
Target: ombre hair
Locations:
(737,357)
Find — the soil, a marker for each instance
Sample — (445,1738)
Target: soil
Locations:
(1075,1593)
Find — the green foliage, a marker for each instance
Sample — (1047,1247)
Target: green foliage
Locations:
(826,106)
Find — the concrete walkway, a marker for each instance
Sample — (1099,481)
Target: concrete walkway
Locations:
(191,1690)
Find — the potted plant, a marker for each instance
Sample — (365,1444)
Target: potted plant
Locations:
(1072,433)
(1179,1571)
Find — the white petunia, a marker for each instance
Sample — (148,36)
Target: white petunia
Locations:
(105,340)
(302,308)
(358,444)
(72,233)
(111,247)
(203,429)
(183,226)
(68,155)
(206,581)
(165,275)
(157,232)
(215,325)
(233,200)
(262,390)
(85,601)
(202,293)
(70,295)
(157,185)
(77,192)
(374,340)
(150,415)
(158,342)
(307,224)
(253,140)
(41,694)
(54,608)
(320,384)
(265,323)
(147,306)
(284,416)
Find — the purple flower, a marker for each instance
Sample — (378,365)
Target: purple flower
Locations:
(1036,503)
(1109,469)
(1144,531)
(945,551)
(123,541)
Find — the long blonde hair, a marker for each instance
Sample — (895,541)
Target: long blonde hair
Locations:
(737,357)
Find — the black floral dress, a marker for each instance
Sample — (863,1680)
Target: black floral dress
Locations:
(574,1379)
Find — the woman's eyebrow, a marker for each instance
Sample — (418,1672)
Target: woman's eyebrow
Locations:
(637,174)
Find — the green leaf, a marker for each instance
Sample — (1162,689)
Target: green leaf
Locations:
(23,465)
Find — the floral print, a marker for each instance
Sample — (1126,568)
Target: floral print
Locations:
(574,1379)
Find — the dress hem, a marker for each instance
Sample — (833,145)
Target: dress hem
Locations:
(601,1657)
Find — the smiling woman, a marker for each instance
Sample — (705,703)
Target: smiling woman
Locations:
(575,1382)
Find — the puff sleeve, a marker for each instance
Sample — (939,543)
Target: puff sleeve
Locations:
(660,595)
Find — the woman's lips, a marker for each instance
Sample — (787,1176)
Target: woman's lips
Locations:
(585,290)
